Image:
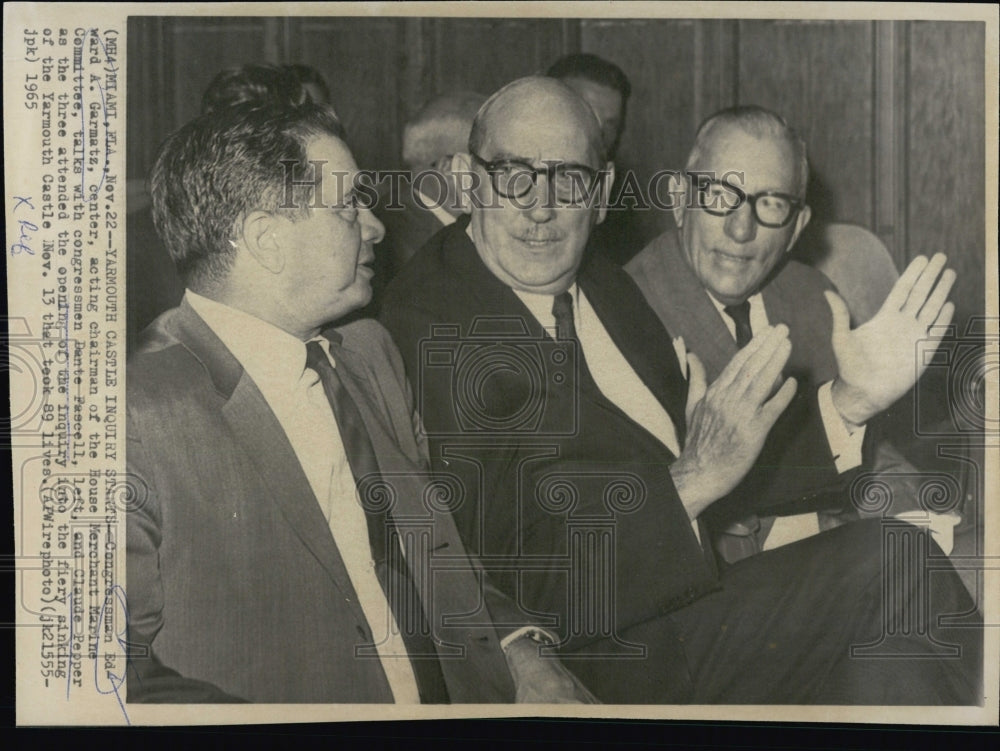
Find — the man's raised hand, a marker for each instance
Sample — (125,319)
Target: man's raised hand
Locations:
(878,361)
(729,421)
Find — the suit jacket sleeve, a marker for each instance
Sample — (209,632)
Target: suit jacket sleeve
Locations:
(504,613)
(148,679)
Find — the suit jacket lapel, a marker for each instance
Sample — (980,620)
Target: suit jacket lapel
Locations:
(635,331)
(656,367)
(687,303)
(260,434)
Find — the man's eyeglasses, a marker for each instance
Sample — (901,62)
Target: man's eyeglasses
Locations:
(570,183)
(770,208)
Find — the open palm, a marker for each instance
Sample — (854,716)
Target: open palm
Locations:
(880,361)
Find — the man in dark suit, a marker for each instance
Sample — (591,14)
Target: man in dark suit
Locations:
(288,540)
(725,272)
(588,445)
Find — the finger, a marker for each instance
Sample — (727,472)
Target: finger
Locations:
(732,370)
(932,308)
(696,384)
(758,361)
(841,315)
(924,284)
(901,289)
(773,407)
(763,382)
(935,333)
(940,325)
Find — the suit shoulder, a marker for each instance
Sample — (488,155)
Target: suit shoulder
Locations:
(373,343)
(162,370)
(609,274)
(364,335)
(647,259)
(803,278)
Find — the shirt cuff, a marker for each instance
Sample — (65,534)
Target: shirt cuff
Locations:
(844,445)
(538,634)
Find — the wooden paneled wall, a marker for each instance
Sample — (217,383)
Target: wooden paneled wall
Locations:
(892,111)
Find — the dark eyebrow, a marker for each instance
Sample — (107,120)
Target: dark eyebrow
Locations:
(508,157)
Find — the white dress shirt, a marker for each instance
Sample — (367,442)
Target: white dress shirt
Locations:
(276,361)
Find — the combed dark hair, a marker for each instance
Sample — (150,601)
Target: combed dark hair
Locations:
(221,166)
(758,122)
(592,68)
(306,74)
(254,83)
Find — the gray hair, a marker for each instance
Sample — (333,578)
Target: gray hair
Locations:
(757,122)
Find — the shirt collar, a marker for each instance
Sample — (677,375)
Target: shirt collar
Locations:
(267,353)
(754,300)
(541,305)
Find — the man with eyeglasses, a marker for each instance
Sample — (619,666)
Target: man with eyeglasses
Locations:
(286,539)
(725,273)
(584,446)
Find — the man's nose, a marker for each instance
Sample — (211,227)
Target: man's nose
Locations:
(372,230)
(741,226)
(540,200)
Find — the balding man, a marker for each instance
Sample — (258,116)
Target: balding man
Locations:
(556,396)
(725,272)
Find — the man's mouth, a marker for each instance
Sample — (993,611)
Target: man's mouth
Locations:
(732,258)
(533,241)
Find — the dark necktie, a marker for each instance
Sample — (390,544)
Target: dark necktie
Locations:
(394,576)
(562,311)
(741,317)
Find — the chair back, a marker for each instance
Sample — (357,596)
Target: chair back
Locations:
(860,266)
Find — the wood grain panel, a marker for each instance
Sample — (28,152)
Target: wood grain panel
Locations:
(657,56)
(483,54)
(945,152)
(146,110)
(361,59)
(197,49)
(819,76)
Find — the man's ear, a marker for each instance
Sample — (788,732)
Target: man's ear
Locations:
(259,235)
(800,224)
(678,197)
(463,177)
(608,179)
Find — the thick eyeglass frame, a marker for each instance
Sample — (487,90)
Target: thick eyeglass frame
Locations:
(494,168)
(795,204)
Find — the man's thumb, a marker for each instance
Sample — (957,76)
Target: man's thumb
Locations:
(841,315)
(696,384)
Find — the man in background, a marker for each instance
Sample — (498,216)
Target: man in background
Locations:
(606,88)
(427,200)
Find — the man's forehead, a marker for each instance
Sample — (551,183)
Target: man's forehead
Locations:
(538,135)
(765,158)
(336,164)
(330,149)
